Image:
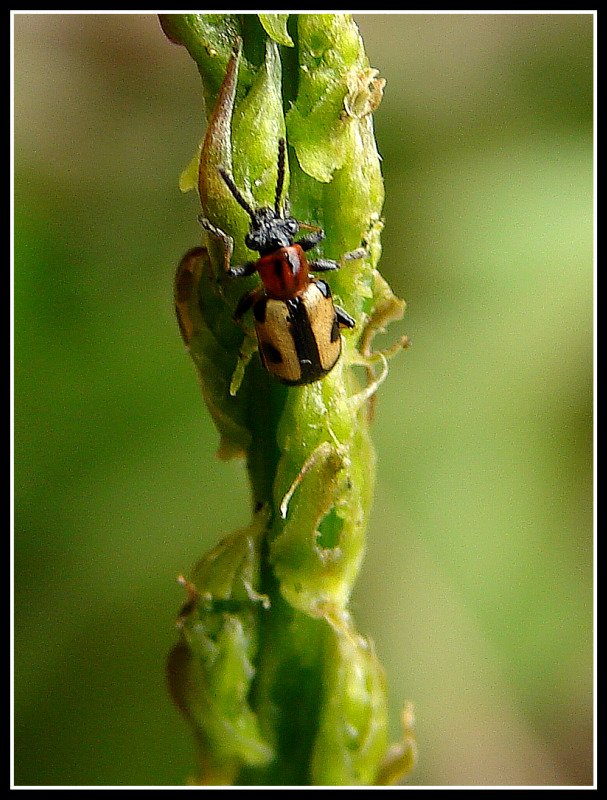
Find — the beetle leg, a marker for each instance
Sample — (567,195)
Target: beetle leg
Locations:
(243,271)
(344,318)
(228,242)
(246,301)
(324,265)
(312,239)
(327,264)
(249,344)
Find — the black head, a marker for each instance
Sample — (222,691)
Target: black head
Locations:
(270,228)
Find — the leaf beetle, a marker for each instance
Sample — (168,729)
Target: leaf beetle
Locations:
(296,321)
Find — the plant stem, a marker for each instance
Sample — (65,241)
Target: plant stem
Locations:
(277,684)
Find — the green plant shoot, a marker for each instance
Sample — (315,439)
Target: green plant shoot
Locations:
(270,672)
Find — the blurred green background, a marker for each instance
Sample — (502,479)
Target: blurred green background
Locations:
(477,587)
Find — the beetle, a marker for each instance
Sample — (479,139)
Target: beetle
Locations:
(296,321)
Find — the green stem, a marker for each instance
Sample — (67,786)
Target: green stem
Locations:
(270,672)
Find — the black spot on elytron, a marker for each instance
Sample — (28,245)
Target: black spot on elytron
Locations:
(271,354)
(259,310)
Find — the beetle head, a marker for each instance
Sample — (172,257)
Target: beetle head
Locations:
(269,231)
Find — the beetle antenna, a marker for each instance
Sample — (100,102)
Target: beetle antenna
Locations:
(281,174)
(236,192)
